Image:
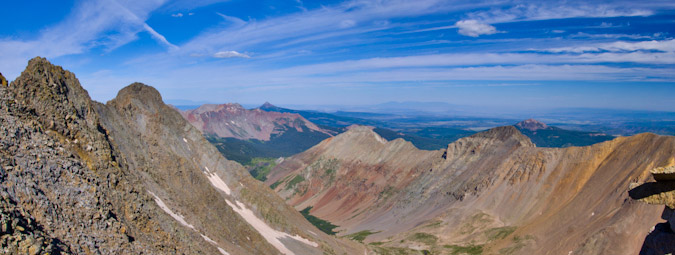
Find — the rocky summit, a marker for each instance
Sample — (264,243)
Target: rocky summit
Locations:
(494,192)
(129,177)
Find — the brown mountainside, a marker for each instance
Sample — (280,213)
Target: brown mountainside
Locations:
(129,177)
(493,190)
(232,120)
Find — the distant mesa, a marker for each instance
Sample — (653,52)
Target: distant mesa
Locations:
(532,125)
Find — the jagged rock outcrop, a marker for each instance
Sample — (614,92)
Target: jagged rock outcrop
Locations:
(494,191)
(232,120)
(128,177)
(661,239)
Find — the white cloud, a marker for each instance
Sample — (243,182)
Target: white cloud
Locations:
(230,54)
(177,15)
(474,28)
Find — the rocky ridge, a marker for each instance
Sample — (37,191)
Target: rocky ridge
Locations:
(494,190)
(128,177)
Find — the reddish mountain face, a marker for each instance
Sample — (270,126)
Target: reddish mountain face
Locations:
(232,120)
(531,124)
(494,190)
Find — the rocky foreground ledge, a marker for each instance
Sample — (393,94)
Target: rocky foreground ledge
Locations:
(661,240)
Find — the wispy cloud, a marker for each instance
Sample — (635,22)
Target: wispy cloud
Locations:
(105,24)
(513,11)
(349,18)
(230,54)
(621,46)
(544,10)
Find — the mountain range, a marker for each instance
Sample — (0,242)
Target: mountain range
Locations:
(138,176)
(129,177)
(548,136)
(492,192)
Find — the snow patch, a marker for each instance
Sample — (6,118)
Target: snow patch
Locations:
(166,209)
(379,138)
(182,221)
(214,244)
(271,235)
(217,182)
(222,251)
(208,239)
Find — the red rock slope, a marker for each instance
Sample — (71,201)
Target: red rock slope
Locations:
(494,190)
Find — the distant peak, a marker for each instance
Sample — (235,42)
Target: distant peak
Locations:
(141,92)
(363,133)
(504,133)
(531,124)
(267,105)
(360,128)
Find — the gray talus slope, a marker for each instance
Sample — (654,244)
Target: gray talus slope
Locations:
(132,177)
(62,180)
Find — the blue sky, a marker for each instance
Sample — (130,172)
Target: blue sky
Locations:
(502,54)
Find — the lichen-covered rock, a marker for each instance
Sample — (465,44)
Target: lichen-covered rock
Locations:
(661,240)
(655,193)
(664,173)
(3,81)
(73,199)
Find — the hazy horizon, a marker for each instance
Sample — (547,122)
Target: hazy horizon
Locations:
(505,55)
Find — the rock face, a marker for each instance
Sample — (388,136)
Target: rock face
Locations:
(128,177)
(232,120)
(661,240)
(494,191)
